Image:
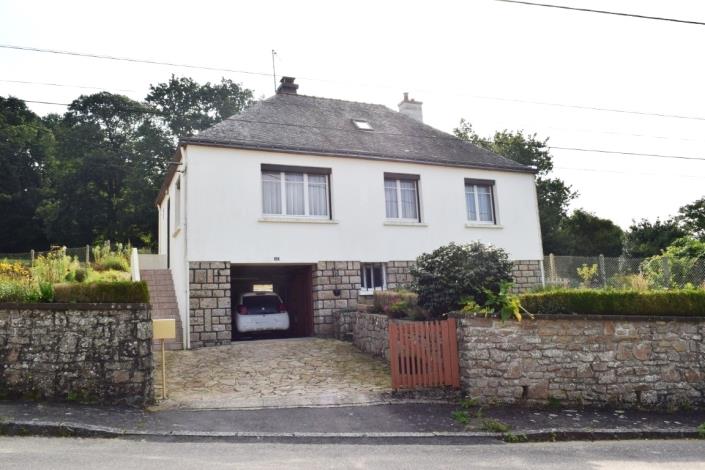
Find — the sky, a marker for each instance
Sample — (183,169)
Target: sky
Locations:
(480,60)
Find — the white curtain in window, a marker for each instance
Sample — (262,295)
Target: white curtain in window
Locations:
(408,199)
(390,199)
(295,194)
(484,198)
(470,201)
(317,195)
(271,193)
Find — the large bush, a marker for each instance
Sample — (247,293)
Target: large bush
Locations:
(448,276)
(680,264)
(685,302)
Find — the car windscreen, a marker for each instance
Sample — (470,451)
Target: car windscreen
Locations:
(257,304)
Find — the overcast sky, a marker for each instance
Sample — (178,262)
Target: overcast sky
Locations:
(452,56)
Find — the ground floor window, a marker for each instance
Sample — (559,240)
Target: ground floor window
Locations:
(372,277)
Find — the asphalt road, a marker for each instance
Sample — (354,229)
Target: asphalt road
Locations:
(28,453)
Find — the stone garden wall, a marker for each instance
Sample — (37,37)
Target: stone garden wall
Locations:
(82,352)
(633,361)
(367,331)
(209,303)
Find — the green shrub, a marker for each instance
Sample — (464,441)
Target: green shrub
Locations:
(685,302)
(383,299)
(16,290)
(102,292)
(54,266)
(680,264)
(113,262)
(448,276)
(81,275)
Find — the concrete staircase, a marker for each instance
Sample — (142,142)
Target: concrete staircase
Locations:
(163,299)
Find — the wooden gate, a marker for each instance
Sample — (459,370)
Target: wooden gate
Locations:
(424,354)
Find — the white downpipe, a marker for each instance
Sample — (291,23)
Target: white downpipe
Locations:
(135,265)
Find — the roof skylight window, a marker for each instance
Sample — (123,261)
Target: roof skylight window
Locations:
(362,124)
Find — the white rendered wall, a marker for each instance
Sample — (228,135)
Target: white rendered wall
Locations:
(177,250)
(224,202)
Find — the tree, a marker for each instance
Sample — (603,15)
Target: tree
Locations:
(449,275)
(681,264)
(692,217)
(185,106)
(585,234)
(552,193)
(26,150)
(645,239)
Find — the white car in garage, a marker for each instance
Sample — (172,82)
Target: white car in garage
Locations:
(261,311)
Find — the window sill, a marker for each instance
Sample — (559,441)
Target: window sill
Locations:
(404,223)
(296,220)
(472,225)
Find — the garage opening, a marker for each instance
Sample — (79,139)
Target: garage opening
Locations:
(292,283)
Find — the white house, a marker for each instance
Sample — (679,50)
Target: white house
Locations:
(327,200)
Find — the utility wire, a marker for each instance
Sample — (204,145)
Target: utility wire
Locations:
(63,85)
(496,98)
(605,12)
(655,155)
(577,149)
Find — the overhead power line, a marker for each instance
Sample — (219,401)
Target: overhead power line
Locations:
(605,12)
(655,155)
(129,59)
(63,85)
(220,69)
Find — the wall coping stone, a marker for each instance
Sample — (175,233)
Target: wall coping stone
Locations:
(575,316)
(72,306)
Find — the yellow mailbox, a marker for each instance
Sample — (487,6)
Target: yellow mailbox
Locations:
(162,329)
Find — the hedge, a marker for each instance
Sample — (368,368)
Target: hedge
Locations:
(102,292)
(686,302)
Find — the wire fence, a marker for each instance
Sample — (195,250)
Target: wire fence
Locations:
(84,254)
(659,272)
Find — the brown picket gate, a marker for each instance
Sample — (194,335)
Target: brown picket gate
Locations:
(423,354)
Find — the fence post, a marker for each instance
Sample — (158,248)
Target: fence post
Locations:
(88,255)
(666,272)
(552,268)
(31,258)
(603,271)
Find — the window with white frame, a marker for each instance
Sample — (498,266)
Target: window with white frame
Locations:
(295,191)
(401,196)
(479,200)
(177,203)
(372,277)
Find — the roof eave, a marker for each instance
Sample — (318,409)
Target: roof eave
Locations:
(352,153)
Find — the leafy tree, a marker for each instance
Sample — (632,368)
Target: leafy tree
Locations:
(552,193)
(692,216)
(26,150)
(645,239)
(451,274)
(585,234)
(185,106)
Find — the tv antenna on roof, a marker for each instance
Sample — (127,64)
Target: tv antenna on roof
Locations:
(274,70)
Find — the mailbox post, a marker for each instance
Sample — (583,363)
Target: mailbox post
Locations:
(163,329)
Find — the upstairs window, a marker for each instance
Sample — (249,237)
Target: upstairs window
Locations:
(295,191)
(401,197)
(479,199)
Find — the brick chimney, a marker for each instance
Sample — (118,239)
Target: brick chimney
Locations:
(287,86)
(411,108)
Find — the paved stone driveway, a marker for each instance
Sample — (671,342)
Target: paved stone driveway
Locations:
(273,373)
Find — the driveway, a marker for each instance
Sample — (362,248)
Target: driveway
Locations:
(273,373)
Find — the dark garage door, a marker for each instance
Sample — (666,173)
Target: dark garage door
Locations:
(294,285)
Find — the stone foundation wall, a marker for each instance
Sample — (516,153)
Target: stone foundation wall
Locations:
(584,360)
(527,275)
(336,285)
(398,274)
(77,352)
(367,331)
(209,303)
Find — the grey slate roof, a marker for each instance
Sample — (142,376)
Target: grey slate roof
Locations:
(322,126)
